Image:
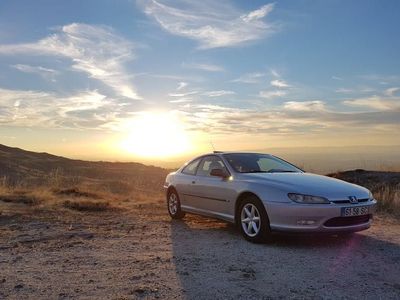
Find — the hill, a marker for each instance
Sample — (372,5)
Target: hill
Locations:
(19,167)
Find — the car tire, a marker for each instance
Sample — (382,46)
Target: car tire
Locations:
(174,205)
(253,220)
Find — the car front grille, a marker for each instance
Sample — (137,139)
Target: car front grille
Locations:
(348,201)
(347,221)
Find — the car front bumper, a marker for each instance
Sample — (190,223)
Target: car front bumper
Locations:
(294,217)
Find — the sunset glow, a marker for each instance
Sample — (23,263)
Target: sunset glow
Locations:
(157,135)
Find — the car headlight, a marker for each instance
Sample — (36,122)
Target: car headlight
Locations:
(307,199)
(370,195)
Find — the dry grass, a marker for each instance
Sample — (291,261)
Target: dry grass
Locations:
(20,199)
(388,198)
(54,198)
(75,192)
(87,205)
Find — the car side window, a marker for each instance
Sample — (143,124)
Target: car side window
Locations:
(191,168)
(208,163)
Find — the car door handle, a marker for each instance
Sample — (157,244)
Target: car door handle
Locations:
(193,182)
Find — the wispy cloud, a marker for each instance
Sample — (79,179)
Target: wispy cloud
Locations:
(95,50)
(275,73)
(204,67)
(211,23)
(181,85)
(289,119)
(249,78)
(258,13)
(390,92)
(181,100)
(279,83)
(85,109)
(183,94)
(315,105)
(375,103)
(344,91)
(218,93)
(272,94)
(46,73)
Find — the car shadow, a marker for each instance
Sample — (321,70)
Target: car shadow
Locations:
(213,260)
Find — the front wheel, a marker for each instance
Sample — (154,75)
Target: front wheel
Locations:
(254,222)
(174,205)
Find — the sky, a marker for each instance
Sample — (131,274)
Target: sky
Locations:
(132,80)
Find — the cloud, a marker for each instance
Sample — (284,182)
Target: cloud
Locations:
(249,78)
(95,50)
(272,94)
(344,91)
(181,85)
(181,100)
(391,91)
(336,78)
(279,83)
(275,73)
(211,23)
(380,78)
(375,102)
(305,105)
(46,73)
(183,94)
(83,110)
(258,13)
(204,67)
(218,93)
(307,116)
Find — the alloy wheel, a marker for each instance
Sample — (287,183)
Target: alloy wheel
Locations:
(173,203)
(250,219)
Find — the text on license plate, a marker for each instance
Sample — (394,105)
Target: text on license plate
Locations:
(355,211)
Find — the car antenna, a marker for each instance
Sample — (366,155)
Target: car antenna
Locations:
(212,145)
(214,151)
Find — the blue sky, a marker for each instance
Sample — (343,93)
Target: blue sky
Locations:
(282,74)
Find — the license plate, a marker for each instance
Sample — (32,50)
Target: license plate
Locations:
(355,211)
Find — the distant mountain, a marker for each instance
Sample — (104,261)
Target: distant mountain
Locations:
(27,167)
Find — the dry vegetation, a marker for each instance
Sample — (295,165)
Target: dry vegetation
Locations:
(43,181)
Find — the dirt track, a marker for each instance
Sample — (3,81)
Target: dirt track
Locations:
(140,253)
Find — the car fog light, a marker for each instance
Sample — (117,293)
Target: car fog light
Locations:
(305,222)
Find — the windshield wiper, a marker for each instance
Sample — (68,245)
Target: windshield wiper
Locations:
(255,171)
(281,171)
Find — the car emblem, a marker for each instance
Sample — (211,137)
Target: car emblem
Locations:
(353,199)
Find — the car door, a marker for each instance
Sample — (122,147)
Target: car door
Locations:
(186,180)
(214,194)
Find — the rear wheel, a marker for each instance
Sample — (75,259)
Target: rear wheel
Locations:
(174,205)
(253,220)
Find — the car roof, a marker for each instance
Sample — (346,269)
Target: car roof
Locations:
(232,152)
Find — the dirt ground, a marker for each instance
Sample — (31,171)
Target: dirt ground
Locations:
(138,252)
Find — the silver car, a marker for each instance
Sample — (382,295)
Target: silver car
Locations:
(263,193)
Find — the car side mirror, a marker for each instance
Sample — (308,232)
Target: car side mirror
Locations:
(218,173)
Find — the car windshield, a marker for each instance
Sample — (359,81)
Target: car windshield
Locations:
(259,163)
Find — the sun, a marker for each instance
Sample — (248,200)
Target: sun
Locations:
(156,135)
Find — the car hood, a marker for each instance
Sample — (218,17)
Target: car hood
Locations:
(309,184)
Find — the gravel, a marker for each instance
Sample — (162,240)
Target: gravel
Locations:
(139,253)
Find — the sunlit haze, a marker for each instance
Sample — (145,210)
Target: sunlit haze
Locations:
(161,81)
